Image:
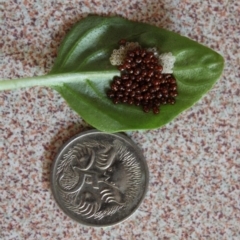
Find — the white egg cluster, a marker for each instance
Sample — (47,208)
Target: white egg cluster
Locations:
(167,60)
(118,55)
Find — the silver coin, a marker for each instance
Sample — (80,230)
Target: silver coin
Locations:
(99,179)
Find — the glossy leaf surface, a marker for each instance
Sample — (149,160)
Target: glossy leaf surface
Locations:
(86,49)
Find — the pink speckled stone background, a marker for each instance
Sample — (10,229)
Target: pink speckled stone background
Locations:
(194,161)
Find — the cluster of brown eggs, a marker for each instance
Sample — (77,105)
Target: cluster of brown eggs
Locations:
(142,82)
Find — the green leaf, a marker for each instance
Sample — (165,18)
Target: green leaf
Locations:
(82,72)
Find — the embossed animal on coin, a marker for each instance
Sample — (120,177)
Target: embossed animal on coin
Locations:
(84,178)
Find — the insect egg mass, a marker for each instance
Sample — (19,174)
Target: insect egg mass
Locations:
(145,79)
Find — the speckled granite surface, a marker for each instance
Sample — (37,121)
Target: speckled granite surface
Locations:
(194,161)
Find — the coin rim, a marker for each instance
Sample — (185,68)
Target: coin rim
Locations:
(89,132)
